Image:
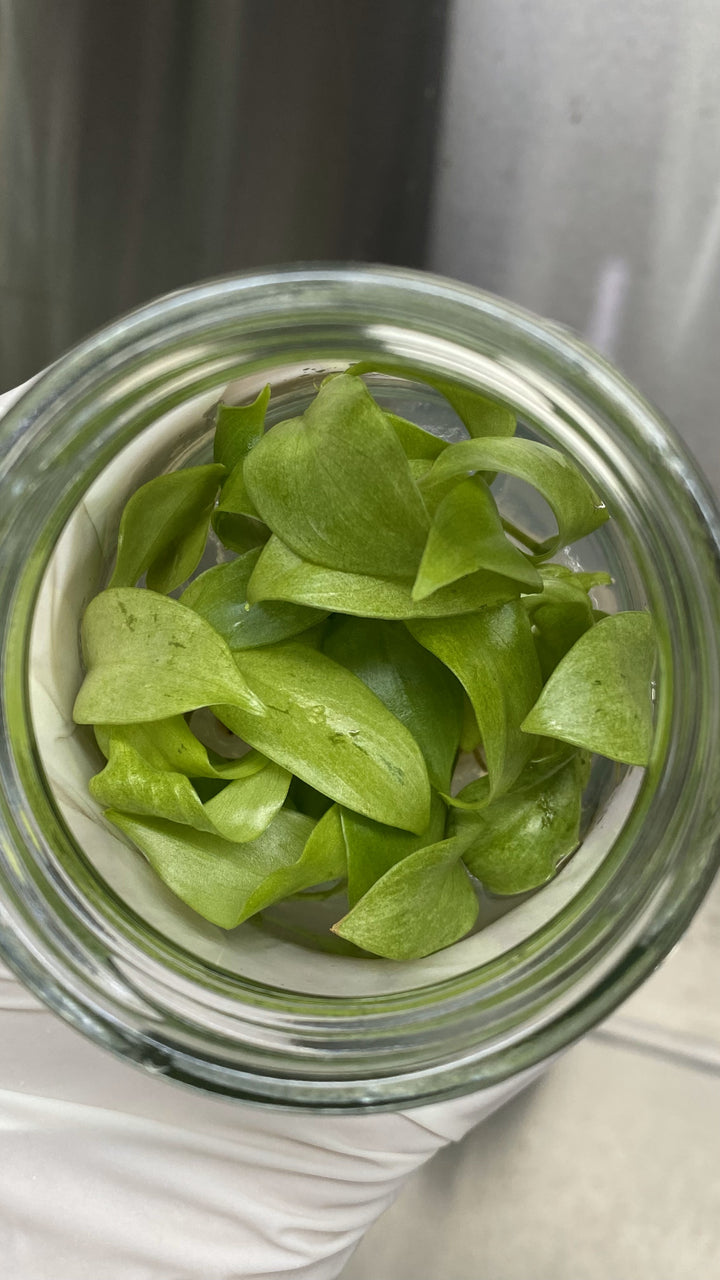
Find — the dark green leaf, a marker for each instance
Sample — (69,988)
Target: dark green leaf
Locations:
(220,596)
(281,575)
(572,501)
(423,903)
(493,656)
(216,877)
(599,696)
(372,848)
(481,416)
(238,429)
(519,840)
(466,535)
(148,657)
(418,689)
(323,724)
(336,487)
(164,528)
(561,613)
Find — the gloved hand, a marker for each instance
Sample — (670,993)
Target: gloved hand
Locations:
(109,1174)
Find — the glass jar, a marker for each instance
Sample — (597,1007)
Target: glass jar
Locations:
(263,1014)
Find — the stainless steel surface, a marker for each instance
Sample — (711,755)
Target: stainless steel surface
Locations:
(148,145)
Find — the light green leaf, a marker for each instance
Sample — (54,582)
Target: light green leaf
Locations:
(561,613)
(599,696)
(336,487)
(323,724)
(220,596)
(281,575)
(215,877)
(416,442)
(481,416)
(492,653)
(418,689)
(164,528)
(373,848)
(238,429)
(148,657)
(244,808)
(171,744)
(423,903)
(518,840)
(466,535)
(572,501)
(322,859)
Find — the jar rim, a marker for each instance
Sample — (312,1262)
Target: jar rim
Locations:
(507,1018)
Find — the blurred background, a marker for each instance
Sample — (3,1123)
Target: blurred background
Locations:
(565,154)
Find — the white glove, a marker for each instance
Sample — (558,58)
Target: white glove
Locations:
(107,1173)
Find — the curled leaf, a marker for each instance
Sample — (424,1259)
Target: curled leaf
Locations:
(336,487)
(220,596)
(322,860)
(238,429)
(418,689)
(148,657)
(416,442)
(493,656)
(171,744)
(562,612)
(518,840)
(567,492)
(423,903)
(164,528)
(323,724)
(372,848)
(281,575)
(216,877)
(478,413)
(599,696)
(466,535)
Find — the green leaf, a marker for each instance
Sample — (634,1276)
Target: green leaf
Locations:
(562,612)
(234,519)
(423,903)
(322,859)
(240,811)
(148,657)
(518,840)
(216,877)
(323,724)
(281,575)
(599,696)
(481,416)
(418,689)
(171,744)
(470,736)
(336,487)
(572,501)
(220,596)
(466,535)
(492,653)
(238,429)
(372,848)
(164,528)
(416,442)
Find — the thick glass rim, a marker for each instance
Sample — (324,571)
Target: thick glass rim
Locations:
(137,993)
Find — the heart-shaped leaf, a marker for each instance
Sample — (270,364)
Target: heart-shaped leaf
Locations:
(336,487)
(567,493)
(372,848)
(518,840)
(418,689)
(466,535)
(599,696)
(481,416)
(148,657)
(164,528)
(220,596)
(423,903)
(323,724)
(492,653)
(216,877)
(281,575)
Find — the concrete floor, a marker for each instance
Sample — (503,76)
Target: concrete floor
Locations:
(607,1169)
